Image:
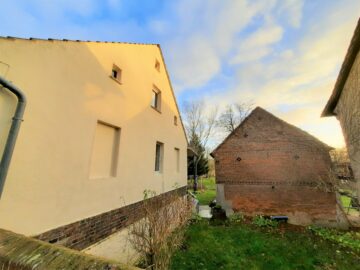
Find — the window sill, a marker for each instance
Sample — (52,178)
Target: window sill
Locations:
(155,109)
(111,77)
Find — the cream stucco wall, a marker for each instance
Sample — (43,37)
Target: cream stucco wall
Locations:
(69,90)
(348,113)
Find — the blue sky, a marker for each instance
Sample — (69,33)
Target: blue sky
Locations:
(283,55)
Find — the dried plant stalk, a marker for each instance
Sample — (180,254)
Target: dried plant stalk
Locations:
(161,230)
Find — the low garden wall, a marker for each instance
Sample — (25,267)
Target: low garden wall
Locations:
(19,252)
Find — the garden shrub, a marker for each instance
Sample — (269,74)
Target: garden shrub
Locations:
(261,221)
(236,218)
(196,218)
(345,239)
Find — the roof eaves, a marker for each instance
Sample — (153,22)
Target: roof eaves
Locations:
(349,60)
(77,40)
(172,91)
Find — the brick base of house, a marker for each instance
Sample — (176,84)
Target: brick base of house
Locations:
(83,233)
(302,202)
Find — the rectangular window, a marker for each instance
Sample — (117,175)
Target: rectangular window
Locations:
(159,156)
(177,159)
(105,151)
(175,120)
(116,73)
(157,65)
(156,99)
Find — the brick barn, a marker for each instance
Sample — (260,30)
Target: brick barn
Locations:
(344,103)
(267,166)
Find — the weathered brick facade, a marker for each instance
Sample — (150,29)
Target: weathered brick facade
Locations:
(267,166)
(83,233)
(344,103)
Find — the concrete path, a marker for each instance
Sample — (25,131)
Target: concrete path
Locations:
(204,211)
(115,247)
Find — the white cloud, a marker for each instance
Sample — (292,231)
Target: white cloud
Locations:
(263,37)
(244,56)
(218,25)
(257,45)
(292,9)
(56,9)
(196,63)
(229,19)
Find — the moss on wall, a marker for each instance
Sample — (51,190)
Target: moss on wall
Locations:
(21,252)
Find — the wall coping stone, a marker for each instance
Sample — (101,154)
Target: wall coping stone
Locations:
(21,252)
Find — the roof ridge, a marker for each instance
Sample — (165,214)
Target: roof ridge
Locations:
(76,40)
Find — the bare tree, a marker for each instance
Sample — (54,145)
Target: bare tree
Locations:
(199,122)
(233,115)
(339,155)
(328,183)
(342,167)
(161,231)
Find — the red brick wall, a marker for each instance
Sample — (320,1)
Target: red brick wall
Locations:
(83,233)
(303,204)
(266,152)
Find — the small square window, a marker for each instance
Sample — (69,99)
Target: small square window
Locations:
(116,73)
(157,65)
(156,99)
(175,120)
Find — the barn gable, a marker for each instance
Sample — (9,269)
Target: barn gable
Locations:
(257,121)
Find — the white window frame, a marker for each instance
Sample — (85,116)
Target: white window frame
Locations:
(156,99)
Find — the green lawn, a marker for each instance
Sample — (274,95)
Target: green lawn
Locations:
(205,196)
(248,247)
(207,183)
(208,192)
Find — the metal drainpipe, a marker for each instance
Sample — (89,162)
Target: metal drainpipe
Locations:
(13,132)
